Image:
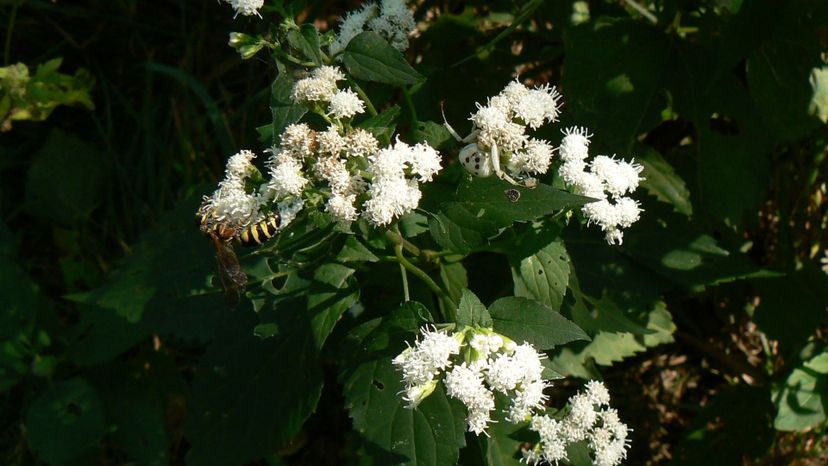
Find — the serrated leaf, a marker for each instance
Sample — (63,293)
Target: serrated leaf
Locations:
(801,402)
(456,230)
(542,276)
(306,40)
(523,319)
(370,57)
(251,395)
(432,133)
(661,180)
(355,251)
(430,434)
(472,312)
(454,277)
(331,293)
(382,125)
(65,421)
(487,199)
(167,276)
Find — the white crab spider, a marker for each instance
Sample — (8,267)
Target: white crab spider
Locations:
(480,163)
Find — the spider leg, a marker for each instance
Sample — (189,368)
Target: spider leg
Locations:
(496,166)
(448,126)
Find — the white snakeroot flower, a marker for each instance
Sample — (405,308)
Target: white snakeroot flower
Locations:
(330,143)
(240,165)
(575,144)
(391,20)
(297,140)
(345,104)
(503,374)
(361,143)
(529,361)
(420,363)
(535,158)
(414,395)
(606,435)
(465,383)
(390,198)
(605,179)
(353,24)
(537,106)
(319,87)
(246,7)
(424,161)
(619,177)
(341,207)
(286,177)
(528,399)
(598,394)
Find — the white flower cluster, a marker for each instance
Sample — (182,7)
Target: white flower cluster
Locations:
(490,363)
(321,89)
(234,206)
(589,418)
(246,7)
(499,134)
(391,193)
(603,178)
(391,19)
(344,166)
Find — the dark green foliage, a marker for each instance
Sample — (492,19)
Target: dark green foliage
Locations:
(708,323)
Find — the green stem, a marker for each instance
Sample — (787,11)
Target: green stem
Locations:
(412,111)
(403,273)
(399,245)
(362,95)
(9,29)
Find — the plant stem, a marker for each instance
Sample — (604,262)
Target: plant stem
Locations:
(362,95)
(9,29)
(412,111)
(403,273)
(399,245)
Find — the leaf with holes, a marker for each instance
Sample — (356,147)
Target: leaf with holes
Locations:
(393,434)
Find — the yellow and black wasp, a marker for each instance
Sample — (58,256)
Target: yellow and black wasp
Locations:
(233,279)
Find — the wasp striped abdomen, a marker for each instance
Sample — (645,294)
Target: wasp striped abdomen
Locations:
(260,232)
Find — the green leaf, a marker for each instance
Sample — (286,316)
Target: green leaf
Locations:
(543,275)
(661,181)
(393,434)
(382,126)
(65,421)
(454,277)
(801,402)
(306,40)
(456,229)
(432,133)
(369,57)
(487,199)
(522,320)
(472,312)
(332,291)
(355,251)
(66,180)
(614,79)
(165,279)
(284,110)
(251,395)
(503,445)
